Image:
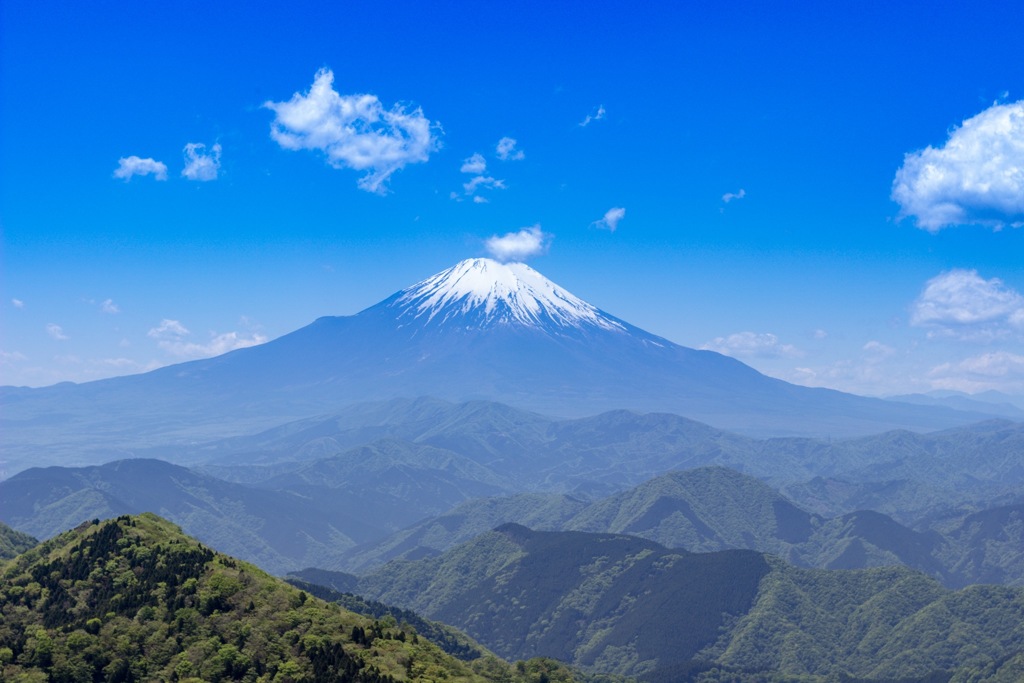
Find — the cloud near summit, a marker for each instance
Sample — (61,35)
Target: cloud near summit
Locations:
(354,131)
(518,246)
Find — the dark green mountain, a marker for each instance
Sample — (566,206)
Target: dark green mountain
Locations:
(624,605)
(988,546)
(610,603)
(13,542)
(133,599)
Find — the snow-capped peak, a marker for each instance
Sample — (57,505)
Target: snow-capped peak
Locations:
(482,292)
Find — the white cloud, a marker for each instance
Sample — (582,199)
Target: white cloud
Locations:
(729,196)
(56,331)
(507,151)
(353,131)
(17,303)
(108,306)
(133,165)
(878,350)
(611,218)
(518,246)
(596,116)
(998,370)
(11,357)
(168,329)
(483,182)
(752,345)
(480,200)
(218,344)
(961,303)
(820,334)
(475,164)
(977,177)
(200,165)
(171,337)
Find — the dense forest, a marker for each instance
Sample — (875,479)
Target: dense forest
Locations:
(133,599)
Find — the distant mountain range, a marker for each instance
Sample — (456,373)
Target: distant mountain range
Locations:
(321,518)
(624,605)
(479,330)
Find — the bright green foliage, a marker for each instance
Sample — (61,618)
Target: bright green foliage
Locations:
(133,599)
(13,542)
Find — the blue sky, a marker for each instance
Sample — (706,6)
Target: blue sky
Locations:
(747,156)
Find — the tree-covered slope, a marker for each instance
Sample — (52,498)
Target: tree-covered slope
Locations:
(610,603)
(624,605)
(884,623)
(13,542)
(133,599)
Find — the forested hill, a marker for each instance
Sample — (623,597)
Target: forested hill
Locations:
(133,599)
(624,605)
(13,542)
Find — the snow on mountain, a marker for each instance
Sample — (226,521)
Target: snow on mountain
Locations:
(481,293)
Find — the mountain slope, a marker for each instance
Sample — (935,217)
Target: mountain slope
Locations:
(13,542)
(620,604)
(576,597)
(133,599)
(480,329)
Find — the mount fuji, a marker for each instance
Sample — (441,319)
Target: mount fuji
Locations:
(479,330)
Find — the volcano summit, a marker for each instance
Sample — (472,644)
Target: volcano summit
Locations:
(479,330)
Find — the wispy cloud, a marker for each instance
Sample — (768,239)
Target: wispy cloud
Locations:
(960,303)
(200,164)
(11,357)
(752,345)
(480,182)
(56,332)
(168,329)
(506,150)
(611,218)
(519,245)
(17,303)
(977,177)
(878,350)
(171,336)
(596,115)
(998,370)
(354,131)
(729,196)
(133,166)
(108,306)
(475,164)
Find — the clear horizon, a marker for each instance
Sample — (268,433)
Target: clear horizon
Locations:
(832,195)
